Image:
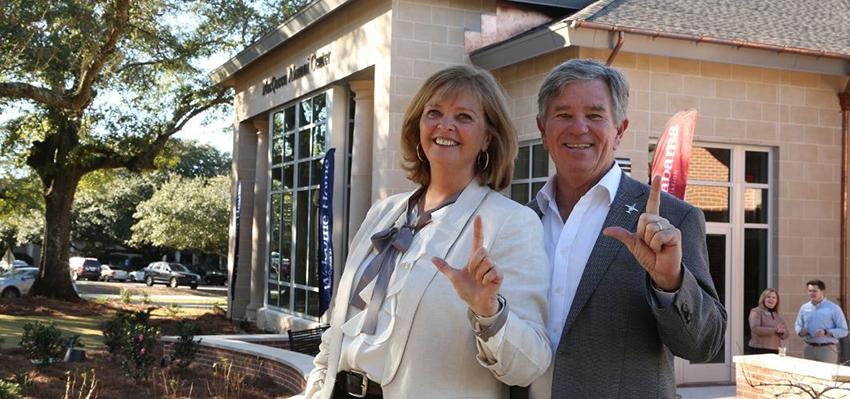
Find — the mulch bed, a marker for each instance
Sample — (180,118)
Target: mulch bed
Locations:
(163,382)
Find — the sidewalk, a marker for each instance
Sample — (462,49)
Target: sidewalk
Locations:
(709,392)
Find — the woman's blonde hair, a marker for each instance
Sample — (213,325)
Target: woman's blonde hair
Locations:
(764,295)
(483,86)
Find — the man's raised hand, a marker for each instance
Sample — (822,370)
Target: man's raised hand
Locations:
(657,244)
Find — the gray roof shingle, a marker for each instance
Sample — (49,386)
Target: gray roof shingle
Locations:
(805,24)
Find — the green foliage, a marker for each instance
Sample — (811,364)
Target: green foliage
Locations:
(115,329)
(15,386)
(10,390)
(190,159)
(137,353)
(129,337)
(126,296)
(42,342)
(105,84)
(186,214)
(186,346)
(105,203)
(172,310)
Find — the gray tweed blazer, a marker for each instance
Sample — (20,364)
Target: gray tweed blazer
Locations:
(616,342)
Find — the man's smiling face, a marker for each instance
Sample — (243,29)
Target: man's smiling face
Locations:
(580,132)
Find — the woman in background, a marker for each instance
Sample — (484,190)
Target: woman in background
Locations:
(767,327)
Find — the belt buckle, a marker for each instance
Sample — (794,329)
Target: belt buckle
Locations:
(356,383)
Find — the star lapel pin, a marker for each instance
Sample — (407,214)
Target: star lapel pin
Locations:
(631,208)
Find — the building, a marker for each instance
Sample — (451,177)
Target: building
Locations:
(765,77)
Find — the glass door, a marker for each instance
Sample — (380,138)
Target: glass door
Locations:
(718,369)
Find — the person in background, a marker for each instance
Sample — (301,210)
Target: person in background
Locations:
(767,327)
(398,329)
(820,323)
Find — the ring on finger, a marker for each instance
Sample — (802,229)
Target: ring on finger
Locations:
(659,225)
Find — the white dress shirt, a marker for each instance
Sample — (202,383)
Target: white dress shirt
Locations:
(568,246)
(368,353)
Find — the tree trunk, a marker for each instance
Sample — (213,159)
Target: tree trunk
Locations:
(54,280)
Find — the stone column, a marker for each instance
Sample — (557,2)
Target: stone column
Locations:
(260,219)
(361,154)
(239,253)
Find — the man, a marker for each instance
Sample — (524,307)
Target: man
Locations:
(821,324)
(619,310)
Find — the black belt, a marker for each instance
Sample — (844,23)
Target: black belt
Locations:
(819,343)
(355,385)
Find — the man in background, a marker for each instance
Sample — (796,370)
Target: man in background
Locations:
(820,323)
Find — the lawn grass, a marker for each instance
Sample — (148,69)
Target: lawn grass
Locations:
(88,328)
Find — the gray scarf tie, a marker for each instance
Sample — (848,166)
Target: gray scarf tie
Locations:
(389,243)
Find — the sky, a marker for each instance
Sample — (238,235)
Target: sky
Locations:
(217,133)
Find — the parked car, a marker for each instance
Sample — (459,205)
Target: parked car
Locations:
(210,274)
(17,282)
(171,273)
(138,275)
(85,268)
(109,273)
(17,263)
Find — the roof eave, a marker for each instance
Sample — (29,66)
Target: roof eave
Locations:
(581,33)
(310,15)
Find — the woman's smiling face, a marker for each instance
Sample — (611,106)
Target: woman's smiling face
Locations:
(452,131)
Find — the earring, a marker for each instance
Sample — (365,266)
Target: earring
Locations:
(486,159)
(420,156)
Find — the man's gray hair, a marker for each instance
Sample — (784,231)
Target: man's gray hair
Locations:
(584,69)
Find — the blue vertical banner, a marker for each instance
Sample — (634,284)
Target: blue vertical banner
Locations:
(237,210)
(326,218)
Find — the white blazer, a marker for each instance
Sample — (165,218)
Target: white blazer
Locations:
(433,352)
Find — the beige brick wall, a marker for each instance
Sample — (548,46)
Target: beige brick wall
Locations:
(427,36)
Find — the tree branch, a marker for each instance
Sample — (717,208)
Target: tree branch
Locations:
(82,89)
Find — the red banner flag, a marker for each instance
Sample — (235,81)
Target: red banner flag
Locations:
(673,153)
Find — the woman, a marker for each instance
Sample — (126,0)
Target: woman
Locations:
(476,327)
(766,325)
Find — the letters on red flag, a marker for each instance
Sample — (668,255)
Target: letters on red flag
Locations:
(673,153)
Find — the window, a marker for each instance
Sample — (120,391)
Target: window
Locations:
(299,140)
(530,171)
(731,184)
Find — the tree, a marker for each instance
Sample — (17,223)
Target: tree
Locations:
(186,214)
(105,204)
(107,199)
(190,159)
(104,84)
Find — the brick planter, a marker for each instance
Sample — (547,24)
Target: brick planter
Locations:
(253,355)
(772,376)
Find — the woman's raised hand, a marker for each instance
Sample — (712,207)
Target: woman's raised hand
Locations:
(478,282)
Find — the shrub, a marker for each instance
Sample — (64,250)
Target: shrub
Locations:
(15,387)
(172,310)
(137,352)
(10,390)
(42,342)
(186,347)
(130,338)
(146,299)
(126,297)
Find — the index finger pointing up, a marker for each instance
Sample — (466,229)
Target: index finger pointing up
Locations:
(653,204)
(477,235)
